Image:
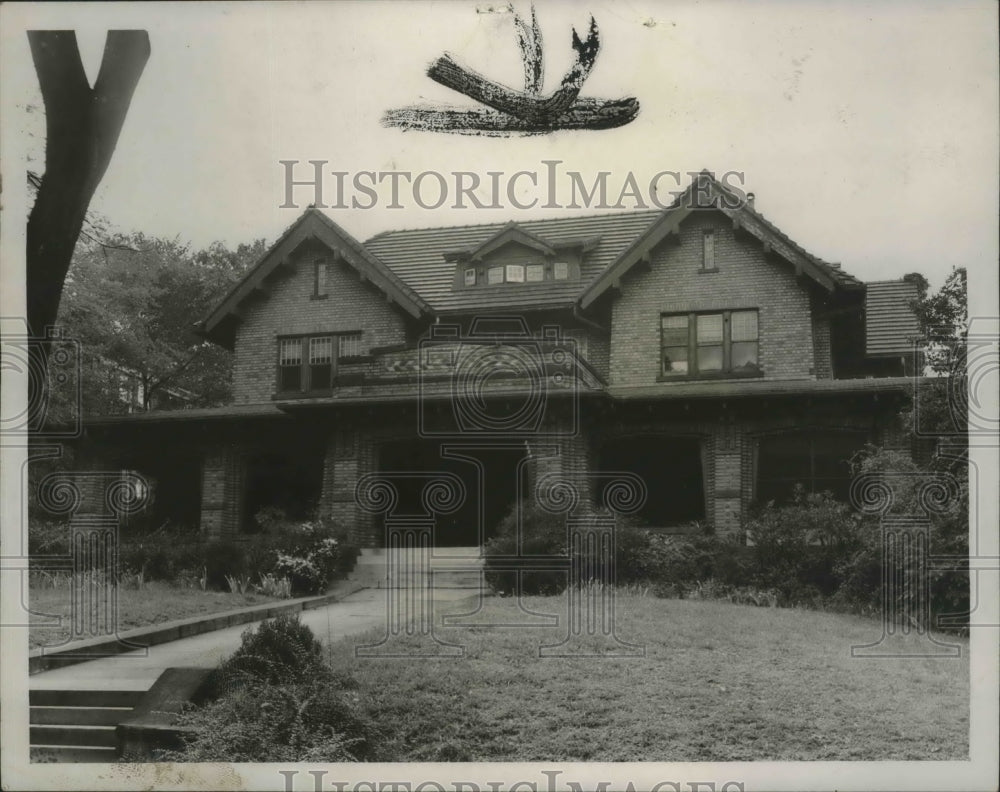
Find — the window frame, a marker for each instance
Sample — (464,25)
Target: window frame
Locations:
(305,364)
(693,371)
(321,264)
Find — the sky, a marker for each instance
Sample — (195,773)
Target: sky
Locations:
(867,130)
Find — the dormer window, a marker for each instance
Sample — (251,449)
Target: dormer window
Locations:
(470,276)
(535,273)
(515,273)
(560,270)
(494,275)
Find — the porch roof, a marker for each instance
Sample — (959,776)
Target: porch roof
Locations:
(228,412)
(730,389)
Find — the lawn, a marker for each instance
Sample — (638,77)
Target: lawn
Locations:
(152,603)
(719,682)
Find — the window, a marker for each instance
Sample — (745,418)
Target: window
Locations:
(470,276)
(709,344)
(349,345)
(708,250)
(290,364)
(494,275)
(515,273)
(817,461)
(560,270)
(535,273)
(319,277)
(308,363)
(320,362)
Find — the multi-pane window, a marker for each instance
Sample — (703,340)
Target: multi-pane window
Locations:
(290,364)
(535,273)
(319,279)
(349,345)
(717,343)
(560,270)
(515,273)
(320,362)
(470,276)
(309,363)
(494,275)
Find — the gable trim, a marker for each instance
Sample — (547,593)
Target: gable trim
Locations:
(313,225)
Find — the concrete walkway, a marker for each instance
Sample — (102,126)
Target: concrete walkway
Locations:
(354,614)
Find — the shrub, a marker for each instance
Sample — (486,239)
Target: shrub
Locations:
(221,558)
(305,722)
(277,651)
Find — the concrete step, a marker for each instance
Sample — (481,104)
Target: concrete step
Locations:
(77,736)
(84,698)
(78,716)
(77,754)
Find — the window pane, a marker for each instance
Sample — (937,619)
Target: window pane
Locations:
(535,272)
(515,273)
(710,358)
(560,270)
(495,275)
(291,378)
(349,345)
(710,329)
(708,250)
(470,277)
(320,376)
(290,351)
(744,326)
(675,360)
(744,355)
(321,350)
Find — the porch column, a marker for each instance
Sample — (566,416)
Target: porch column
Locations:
(222,475)
(348,456)
(728,475)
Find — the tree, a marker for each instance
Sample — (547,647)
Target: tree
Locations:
(82,126)
(132,301)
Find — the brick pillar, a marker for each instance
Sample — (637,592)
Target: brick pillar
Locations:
(727,467)
(222,477)
(349,455)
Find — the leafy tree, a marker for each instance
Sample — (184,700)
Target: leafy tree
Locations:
(132,301)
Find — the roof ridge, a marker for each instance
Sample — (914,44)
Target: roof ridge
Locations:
(502,223)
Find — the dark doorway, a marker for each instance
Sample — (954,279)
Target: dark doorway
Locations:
(498,468)
(672,470)
(173,478)
(291,482)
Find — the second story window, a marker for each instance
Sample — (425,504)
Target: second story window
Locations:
(290,364)
(535,273)
(721,343)
(494,275)
(319,277)
(349,345)
(320,362)
(470,276)
(515,273)
(560,270)
(708,251)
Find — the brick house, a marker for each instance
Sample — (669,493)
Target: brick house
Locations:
(697,347)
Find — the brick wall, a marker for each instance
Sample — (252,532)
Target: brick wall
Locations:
(289,309)
(745,279)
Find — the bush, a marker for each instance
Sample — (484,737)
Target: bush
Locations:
(277,651)
(302,722)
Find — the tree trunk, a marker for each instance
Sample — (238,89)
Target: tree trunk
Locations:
(82,125)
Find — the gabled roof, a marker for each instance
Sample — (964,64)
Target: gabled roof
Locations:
(705,192)
(891,326)
(511,232)
(312,225)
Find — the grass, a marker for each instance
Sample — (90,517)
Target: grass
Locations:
(153,602)
(719,682)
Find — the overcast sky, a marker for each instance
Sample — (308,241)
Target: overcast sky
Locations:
(868,131)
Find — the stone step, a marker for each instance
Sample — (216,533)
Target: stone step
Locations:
(84,698)
(65,753)
(78,716)
(77,736)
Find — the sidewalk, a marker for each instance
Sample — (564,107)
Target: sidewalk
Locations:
(138,670)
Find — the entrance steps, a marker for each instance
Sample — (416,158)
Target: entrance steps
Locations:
(77,725)
(451,567)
